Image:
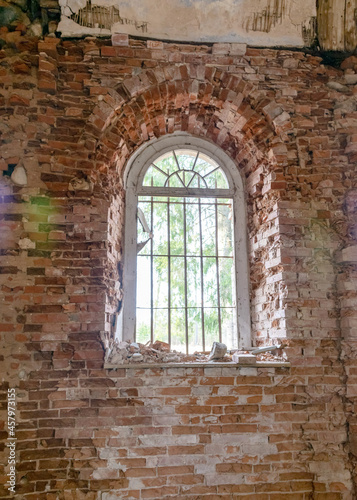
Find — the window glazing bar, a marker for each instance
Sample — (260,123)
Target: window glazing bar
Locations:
(185,264)
(217,270)
(169,271)
(201,270)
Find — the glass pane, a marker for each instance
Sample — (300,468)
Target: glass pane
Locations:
(211,327)
(166,163)
(143,288)
(193,281)
(210,282)
(177,282)
(176,227)
(143,318)
(160,235)
(229,331)
(154,177)
(217,179)
(186,158)
(175,181)
(208,219)
(195,330)
(225,228)
(160,281)
(204,164)
(161,328)
(178,336)
(226,282)
(192,227)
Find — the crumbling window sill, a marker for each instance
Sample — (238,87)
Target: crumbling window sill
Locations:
(215,364)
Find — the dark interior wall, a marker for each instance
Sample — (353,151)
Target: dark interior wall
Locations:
(73,113)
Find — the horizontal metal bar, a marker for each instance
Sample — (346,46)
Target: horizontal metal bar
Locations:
(185,192)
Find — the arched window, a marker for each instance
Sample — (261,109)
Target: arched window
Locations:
(185,259)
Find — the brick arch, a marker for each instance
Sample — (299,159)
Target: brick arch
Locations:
(219,107)
(213,104)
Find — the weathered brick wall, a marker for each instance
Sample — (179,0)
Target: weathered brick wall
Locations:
(72,114)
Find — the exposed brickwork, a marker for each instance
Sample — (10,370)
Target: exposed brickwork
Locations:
(72,123)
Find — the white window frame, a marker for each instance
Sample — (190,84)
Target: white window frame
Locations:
(133,177)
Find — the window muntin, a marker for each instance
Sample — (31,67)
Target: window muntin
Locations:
(185,168)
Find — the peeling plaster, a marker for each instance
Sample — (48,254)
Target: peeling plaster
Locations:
(256,22)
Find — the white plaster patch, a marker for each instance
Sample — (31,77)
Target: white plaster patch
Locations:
(258,22)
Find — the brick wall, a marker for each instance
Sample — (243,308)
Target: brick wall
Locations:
(72,114)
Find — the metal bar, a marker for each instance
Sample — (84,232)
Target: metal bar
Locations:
(160,170)
(177,163)
(223,204)
(169,270)
(194,164)
(211,172)
(217,271)
(184,192)
(185,261)
(151,272)
(188,255)
(201,266)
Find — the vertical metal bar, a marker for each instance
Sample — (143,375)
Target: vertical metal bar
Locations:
(177,163)
(201,265)
(217,270)
(185,261)
(169,269)
(151,273)
(194,164)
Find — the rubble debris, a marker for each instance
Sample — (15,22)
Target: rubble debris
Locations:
(244,359)
(218,351)
(259,350)
(159,352)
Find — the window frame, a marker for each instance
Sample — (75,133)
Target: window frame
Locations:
(133,178)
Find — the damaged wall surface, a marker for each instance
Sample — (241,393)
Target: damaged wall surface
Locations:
(72,114)
(259,22)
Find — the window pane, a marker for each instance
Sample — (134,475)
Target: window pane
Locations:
(178,335)
(193,281)
(217,179)
(154,177)
(177,282)
(160,281)
(186,158)
(229,333)
(143,319)
(195,330)
(161,323)
(159,229)
(211,326)
(204,165)
(208,219)
(210,282)
(166,163)
(225,227)
(143,288)
(226,282)
(192,227)
(176,227)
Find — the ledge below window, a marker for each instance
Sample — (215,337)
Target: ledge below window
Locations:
(258,364)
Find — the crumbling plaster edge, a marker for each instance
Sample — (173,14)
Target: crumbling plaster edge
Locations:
(259,364)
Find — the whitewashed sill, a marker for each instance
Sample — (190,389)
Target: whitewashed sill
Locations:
(258,364)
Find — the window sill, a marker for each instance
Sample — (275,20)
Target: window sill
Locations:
(258,364)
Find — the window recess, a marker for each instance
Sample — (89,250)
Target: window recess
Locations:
(186,282)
